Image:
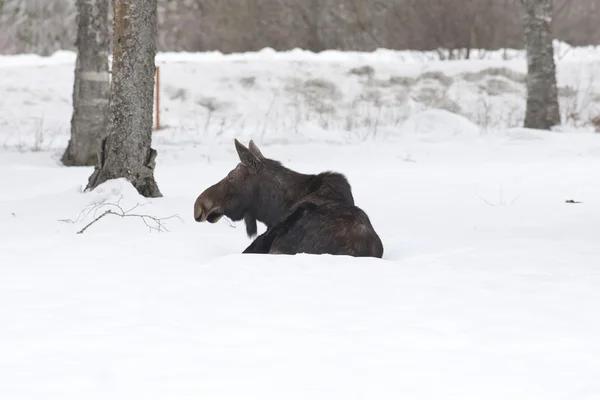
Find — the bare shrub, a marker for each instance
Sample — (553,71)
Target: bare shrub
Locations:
(210,103)
(577,108)
(393,81)
(402,80)
(567,91)
(493,71)
(432,97)
(401,97)
(437,76)
(378,83)
(321,85)
(316,95)
(425,95)
(248,81)
(323,107)
(497,87)
(365,70)
(175,93)
(38,143)
(317,89)
(372,96)
(446,103)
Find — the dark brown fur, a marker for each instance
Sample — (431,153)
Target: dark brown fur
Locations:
(303,213)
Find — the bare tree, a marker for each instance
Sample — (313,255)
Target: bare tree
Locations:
(542,97)
(90,90)
(126,151)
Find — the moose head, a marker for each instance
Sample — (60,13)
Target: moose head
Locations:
(251,190)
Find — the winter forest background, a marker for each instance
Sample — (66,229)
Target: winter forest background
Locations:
(43,27)
(469,131)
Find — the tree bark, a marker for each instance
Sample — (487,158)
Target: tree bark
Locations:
(126,150)
(542,98)
(91,87)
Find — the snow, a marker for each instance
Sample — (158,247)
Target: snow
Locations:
(437,124)
(562,51)
(488,287)
(300,96)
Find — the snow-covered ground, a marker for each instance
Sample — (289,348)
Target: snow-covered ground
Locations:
(489,286)
(299,96)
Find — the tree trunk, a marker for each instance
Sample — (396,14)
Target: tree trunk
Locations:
(91,87)
(315,43)
(125,152)
(542,97)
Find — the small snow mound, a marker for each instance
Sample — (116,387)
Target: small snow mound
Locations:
(119,197)
(436,124)
(114,190)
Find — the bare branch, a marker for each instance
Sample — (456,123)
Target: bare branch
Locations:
(484,200)
(95,220)
(153,223)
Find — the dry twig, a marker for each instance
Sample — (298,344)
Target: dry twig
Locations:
(153,223)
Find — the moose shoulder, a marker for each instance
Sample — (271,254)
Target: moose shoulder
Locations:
(303,213)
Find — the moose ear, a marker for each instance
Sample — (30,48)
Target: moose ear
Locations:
(254,149)
(246,157)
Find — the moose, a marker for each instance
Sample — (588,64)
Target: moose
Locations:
(303,213)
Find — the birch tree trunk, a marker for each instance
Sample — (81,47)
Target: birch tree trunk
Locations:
(542,98)
(126,150)
(91,87)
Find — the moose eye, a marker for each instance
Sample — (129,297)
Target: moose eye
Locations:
(230,177)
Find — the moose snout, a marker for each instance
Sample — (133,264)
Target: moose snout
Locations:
(205,209)
(202,207)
